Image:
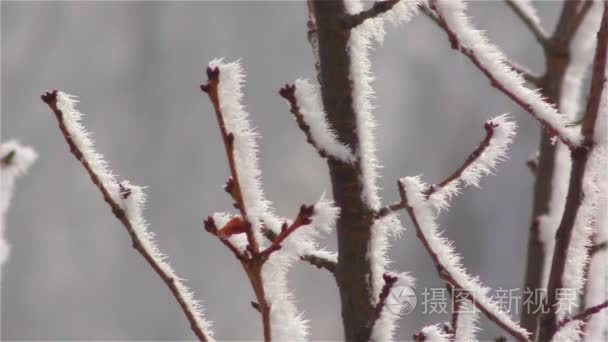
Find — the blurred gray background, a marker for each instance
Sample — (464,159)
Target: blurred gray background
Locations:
(136,67)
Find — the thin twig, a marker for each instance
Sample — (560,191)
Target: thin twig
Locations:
(303,218)
(353,20)
(251,260)
(288,93)
(528,75)
(211,88)
(50,98)
(445,274)
(585,315)
(389,282)
(313,259)
(456,45)
(320,262)
(455,313)
(535,28)
(477,152)
(212,228)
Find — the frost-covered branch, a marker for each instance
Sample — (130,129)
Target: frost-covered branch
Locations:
(266,264)
(447,262)
(389,282)
(126,202)
(528,75)
(432,333)
(482,161)
(587,160)
(15,161)
(492,63)
(585,315)
(422,201)
(464,320)
(318,258)
(353,20)
(303,219)
(305,104)
(246,167)
(525,10)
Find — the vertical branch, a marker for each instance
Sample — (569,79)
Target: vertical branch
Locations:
(580,157)
(354,225)
(557,62)
(211,88)
(251,260)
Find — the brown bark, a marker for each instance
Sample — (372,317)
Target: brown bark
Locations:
(557,59)
(580,157)
(353,268)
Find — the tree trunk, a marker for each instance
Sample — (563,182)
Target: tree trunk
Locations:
(356,218)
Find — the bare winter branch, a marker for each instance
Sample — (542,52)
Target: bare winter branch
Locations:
(211,88)
(490,128)
(445,274)
(351,21)
(303,219)
(389,281)
(576,195)
(527,15)
(498,72)
(585,315)
(314,259)
(178,289)
(528,75)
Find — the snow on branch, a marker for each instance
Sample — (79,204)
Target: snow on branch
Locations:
(394,11)
(596,291)
(581,56)
(465,322)
(358,46)
(580,241)
(447,262)
(482,161)
(15,160)
(305,102)
(493,64)
(432,333)
(224,88)
(570,332)
(266,264)
(526,11)
(585,315)
(383,323)
(389,282)
(126,202)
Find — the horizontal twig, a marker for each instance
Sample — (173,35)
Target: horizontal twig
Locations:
(585,315)
(313,259)
(351,21)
